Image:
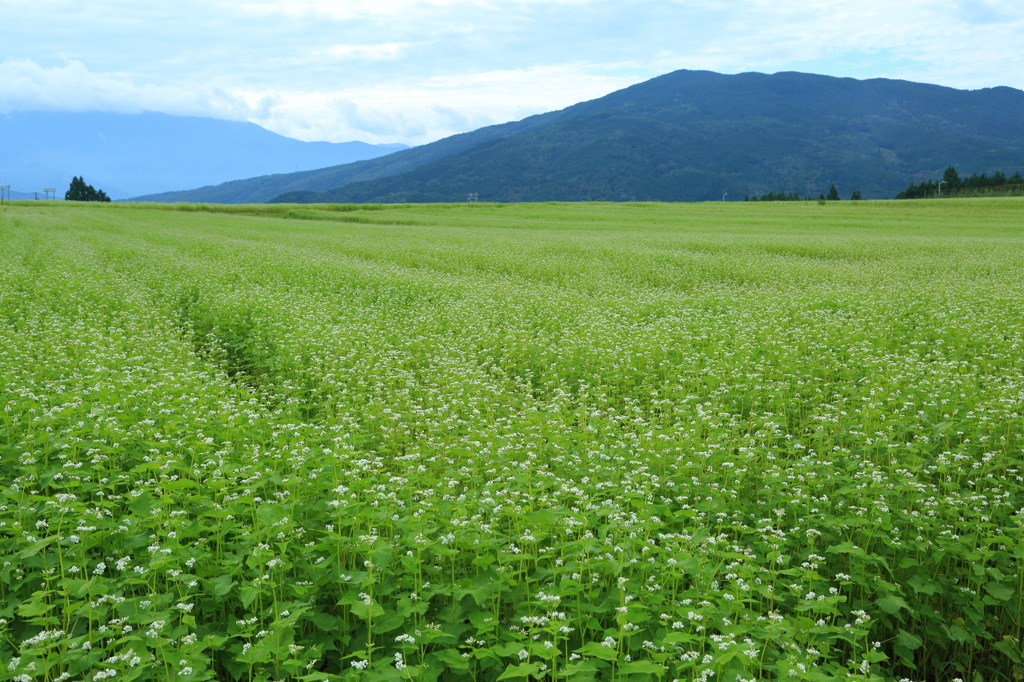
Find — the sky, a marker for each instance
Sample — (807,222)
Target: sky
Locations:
(414,71)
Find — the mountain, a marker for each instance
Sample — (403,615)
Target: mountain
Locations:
(695,135)
(131,154)
(262,189)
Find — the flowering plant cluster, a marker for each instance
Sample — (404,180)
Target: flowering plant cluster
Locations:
(554,442)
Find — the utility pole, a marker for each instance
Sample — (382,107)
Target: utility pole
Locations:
(941,183)
(472,198)
(2,188)
(724,195)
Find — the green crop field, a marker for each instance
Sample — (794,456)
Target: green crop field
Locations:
(714,442)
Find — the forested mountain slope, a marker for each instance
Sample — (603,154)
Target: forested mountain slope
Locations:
(693,135)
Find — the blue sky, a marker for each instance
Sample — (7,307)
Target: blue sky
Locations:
(415,71)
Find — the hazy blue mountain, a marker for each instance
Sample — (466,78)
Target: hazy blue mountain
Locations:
(694,135)
(261,189)
(128,155)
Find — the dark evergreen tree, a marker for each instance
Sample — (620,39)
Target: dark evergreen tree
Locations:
(833,193)
(952,178)
(855,196)
(76,191)
(79,191)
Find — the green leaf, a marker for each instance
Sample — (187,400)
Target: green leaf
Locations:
(522,670)
(484,561)
(85,662)
(367,611)
(911,642)
(480,595)
(846,548)
(212,642)
(220,587)
(999,591)
(507,649)
(451,658)
(642,667)
(35,547)
(271,513)
(995,573)
(32,608)
(1009,649)
(255,654)
(891,604)
(324,621)
(584,669)
(248,595)
(386,622)
(381,554)
(957,633)
(143,505)
(483,621)
(921,585)
(605,653)
(179,484)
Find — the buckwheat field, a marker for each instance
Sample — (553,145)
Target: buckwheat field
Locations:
(715,443)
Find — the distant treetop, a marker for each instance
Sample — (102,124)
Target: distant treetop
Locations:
(79,191)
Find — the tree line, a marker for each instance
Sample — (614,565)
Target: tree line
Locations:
(833,195)
(952,185)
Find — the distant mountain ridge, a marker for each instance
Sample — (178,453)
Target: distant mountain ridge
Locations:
(697,135)
(131,154)
(686,136)
(262,189)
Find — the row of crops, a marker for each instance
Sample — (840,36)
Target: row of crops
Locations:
(482,443)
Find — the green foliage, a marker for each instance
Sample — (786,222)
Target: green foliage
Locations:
(855,196)
(231,339)
(833,194)
(773,196)
(538,442)
(951,177)
(996,185)
(79,191)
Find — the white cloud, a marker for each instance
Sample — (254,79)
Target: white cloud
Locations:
(960,43)
(416,70)
(382,51)
(26,85)
(414,111)
(421,111)
(355,9)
